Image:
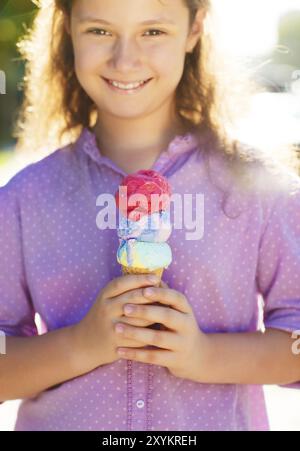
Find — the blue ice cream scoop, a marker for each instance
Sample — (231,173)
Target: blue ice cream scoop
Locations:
(155,228)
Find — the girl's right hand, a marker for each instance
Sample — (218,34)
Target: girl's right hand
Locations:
(94,338)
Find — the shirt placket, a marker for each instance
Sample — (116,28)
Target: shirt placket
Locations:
(139,396)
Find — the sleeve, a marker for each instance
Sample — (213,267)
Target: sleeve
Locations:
(16,310)
(278,275)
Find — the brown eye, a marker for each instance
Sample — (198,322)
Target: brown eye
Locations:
(96,31)
(156,31)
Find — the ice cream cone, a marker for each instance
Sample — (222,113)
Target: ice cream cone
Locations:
(144,229)
(130,270)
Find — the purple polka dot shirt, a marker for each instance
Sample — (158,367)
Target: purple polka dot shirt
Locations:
(242,274)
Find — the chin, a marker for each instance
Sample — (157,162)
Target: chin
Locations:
(121,113)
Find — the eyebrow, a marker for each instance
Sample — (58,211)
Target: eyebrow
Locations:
(158,20)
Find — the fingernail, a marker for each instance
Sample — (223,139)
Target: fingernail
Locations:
(149,291)
(129,309)
(153,279)
(119,328)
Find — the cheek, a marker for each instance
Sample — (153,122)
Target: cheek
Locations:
(170,69)
(86,59)
(85,69)
(167,59)
(87,55)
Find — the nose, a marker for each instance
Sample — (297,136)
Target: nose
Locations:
(126,55)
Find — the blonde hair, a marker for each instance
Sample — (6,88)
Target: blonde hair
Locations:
(213,92)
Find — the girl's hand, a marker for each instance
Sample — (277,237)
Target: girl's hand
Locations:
(138,321)
(183,346)
(94,338)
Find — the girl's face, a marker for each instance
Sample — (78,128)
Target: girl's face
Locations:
(127,49)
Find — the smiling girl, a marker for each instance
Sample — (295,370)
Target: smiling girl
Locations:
(117,86)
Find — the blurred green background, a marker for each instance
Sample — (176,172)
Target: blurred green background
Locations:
(15,16)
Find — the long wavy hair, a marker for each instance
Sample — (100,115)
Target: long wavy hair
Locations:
(214,90)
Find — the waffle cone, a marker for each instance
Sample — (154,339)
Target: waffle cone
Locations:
(128,270)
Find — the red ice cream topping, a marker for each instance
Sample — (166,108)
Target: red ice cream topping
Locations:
(146,182)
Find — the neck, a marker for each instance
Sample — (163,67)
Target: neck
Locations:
(135,144)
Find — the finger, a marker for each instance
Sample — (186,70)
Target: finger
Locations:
(117,303)
(140,322)
(128,282)
(169,297)
(161,339)
(169,317)
(153,356)
(129,343)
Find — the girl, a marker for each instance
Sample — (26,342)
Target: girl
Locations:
(122,86)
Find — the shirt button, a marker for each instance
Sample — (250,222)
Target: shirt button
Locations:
(140,403)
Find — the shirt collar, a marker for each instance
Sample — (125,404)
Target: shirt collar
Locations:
(181,144)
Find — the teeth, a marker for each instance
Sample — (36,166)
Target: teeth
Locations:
(126,87)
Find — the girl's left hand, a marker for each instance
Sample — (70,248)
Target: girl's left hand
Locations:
(184,347)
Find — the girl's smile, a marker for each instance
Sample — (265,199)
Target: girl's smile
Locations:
(126,91)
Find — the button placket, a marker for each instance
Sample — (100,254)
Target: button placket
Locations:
(139,395)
